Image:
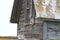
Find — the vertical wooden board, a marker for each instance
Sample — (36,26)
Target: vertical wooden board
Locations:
(51,31)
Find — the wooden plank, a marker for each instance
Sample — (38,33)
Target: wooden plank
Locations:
(16,11)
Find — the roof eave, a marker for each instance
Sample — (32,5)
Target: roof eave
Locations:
(16,11)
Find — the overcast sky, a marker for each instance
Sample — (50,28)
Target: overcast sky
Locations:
(6,28)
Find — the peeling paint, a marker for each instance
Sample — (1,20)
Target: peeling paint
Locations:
(47,8)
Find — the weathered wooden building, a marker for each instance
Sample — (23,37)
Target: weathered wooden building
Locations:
(33,24)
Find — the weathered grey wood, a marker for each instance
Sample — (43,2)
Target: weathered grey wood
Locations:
(16,11)
(28,25)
